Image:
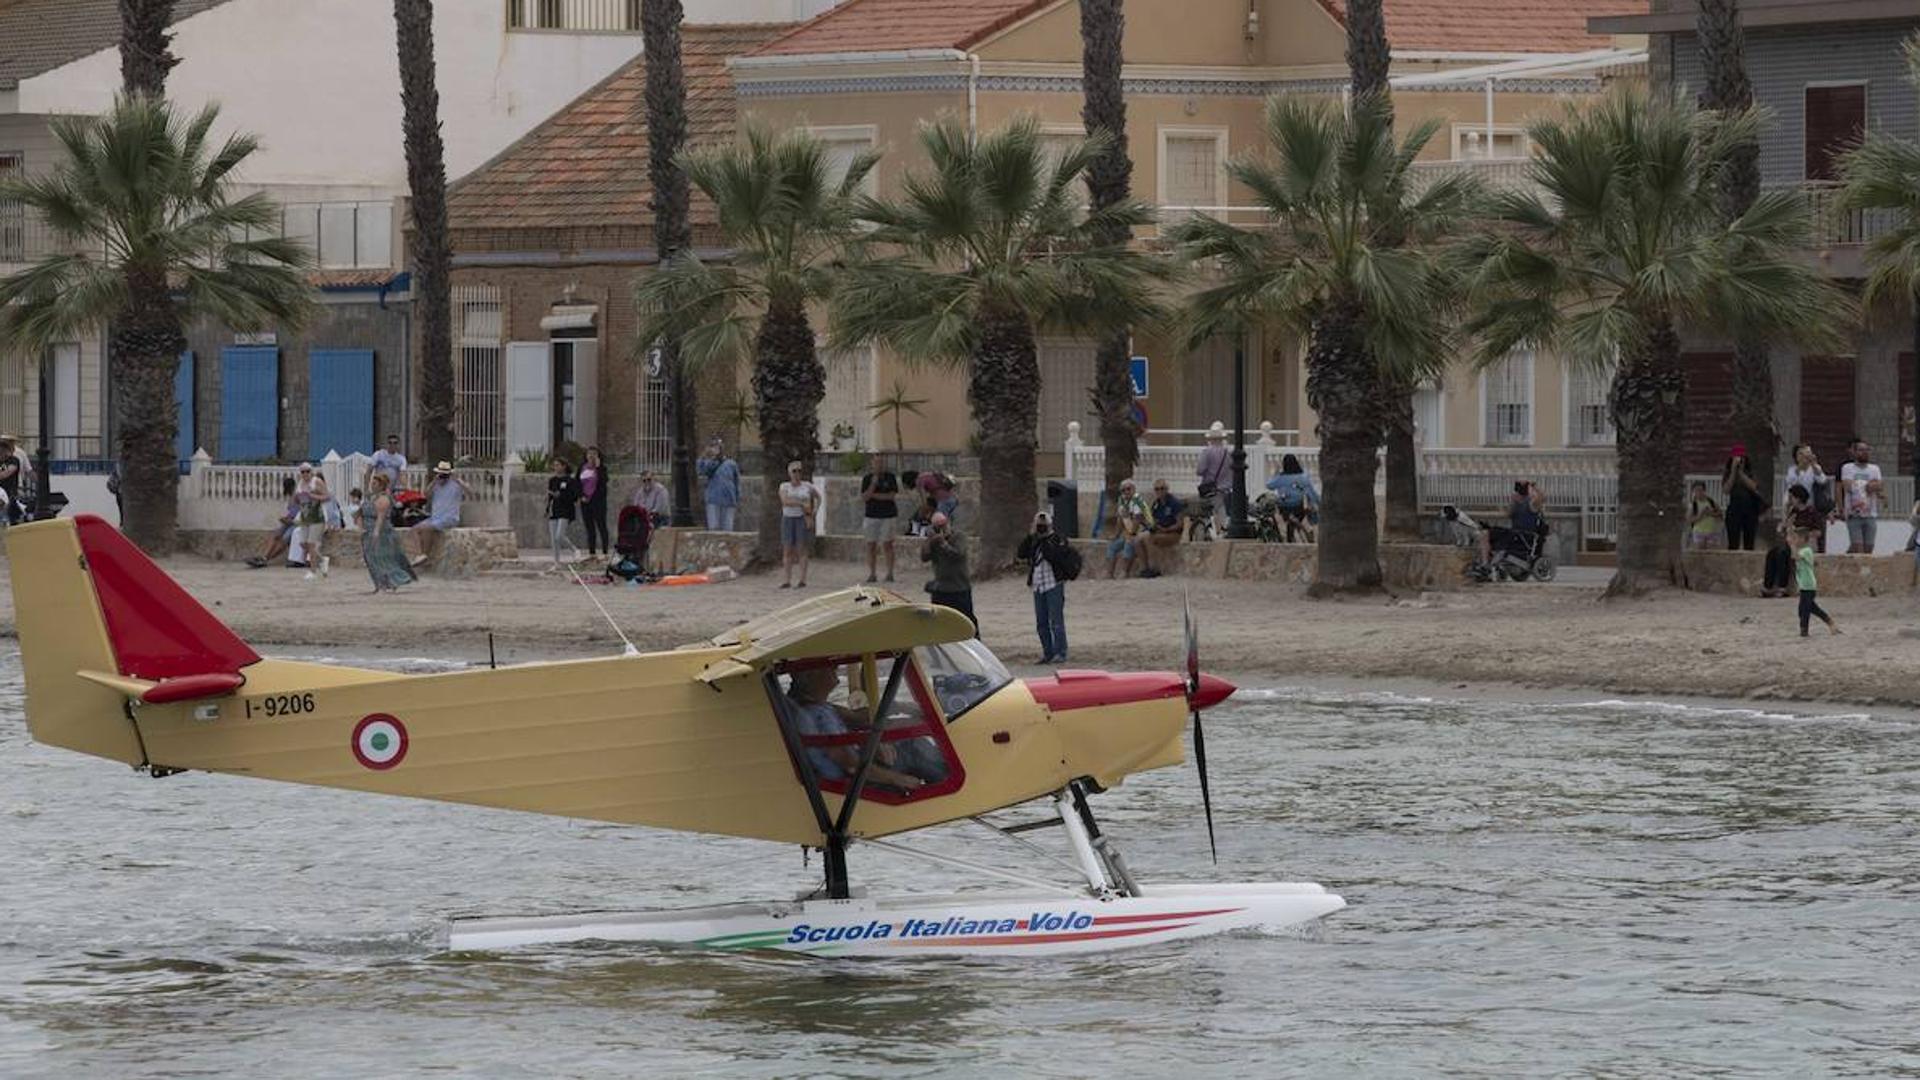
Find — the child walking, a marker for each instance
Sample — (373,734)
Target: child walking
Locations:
(1803,566)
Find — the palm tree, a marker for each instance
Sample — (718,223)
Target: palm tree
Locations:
(1369,62)
(1624,246)
(1723,55)
(1103,112)
(788,222)
(141,198)
(1882,175)
(989,245)
(1347,258)
(430,250)
(666,98)
(895,404)
(145,58)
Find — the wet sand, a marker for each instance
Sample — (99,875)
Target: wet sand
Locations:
(1510,635)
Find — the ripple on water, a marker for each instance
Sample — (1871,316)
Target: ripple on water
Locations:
(1566,888)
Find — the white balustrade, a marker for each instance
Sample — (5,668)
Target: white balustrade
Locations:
(219,496)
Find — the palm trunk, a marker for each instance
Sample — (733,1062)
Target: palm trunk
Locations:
(429,249)
(1368,57)
(1109,181)
(1343,388)
(788,383)
(1723,54)
(1403,466)
(1649,412)
(1003,389)
(666,98)
(144,353)
(145,57)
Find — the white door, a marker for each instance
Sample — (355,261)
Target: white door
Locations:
(586,391)
(66,402)
(529,396)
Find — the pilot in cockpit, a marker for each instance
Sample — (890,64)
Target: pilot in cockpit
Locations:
(816,715)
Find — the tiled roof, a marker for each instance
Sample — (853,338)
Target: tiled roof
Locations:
(587,164)
(37,36)
(1532,26)
(1523,26)
(888,25)
(353,279)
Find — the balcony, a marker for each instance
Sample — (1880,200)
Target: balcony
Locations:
(574,16)
(1497,174)
(1835,227)
(25,237)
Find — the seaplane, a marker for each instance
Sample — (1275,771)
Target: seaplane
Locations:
(840,723)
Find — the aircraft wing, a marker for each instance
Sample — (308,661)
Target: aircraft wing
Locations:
(845,623)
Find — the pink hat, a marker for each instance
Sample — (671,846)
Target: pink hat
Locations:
(1739,449)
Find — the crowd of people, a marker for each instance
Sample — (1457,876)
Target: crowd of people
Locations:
(402,530)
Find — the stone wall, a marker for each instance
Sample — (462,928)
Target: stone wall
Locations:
(1741,573)
(467,551)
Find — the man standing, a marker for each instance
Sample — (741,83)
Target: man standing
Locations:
(390,463)
(880,513)
(1860,494)
(721,475)
(10,481)
(951,586)
(1213,476)
(652,498)
(1045,553)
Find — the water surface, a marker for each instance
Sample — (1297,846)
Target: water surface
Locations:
(1585,889)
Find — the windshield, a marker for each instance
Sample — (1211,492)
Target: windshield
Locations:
(962,674)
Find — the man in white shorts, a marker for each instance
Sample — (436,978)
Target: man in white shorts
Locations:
(880,512)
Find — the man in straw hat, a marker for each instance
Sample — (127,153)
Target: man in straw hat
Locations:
(1212,472)
(443,511)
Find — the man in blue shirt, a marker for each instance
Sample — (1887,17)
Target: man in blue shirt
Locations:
(816,716)
(721,474)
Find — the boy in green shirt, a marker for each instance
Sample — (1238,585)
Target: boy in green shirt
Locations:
(1803,567)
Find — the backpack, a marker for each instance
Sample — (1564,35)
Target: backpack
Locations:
(1822,494)
(1068,563)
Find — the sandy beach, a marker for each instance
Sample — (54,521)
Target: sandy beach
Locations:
(1523,635)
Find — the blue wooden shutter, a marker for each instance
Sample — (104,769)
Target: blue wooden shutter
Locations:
(183,404)
(249,403)
(339,402)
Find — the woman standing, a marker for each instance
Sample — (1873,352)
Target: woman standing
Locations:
(379,543)
(312,495)
(798,502)
(1745,504)
(563,491)
(594,484)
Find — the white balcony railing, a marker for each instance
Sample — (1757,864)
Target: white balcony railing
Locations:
(1837,227)
(579,16)
(221,496)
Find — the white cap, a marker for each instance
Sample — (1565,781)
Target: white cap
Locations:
(1216,430)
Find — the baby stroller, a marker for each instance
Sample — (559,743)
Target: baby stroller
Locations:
(631,540)
(409,508)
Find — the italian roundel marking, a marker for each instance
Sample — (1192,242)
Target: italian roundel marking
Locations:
(380,741)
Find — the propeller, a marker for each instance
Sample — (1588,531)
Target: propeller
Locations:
(1199,732)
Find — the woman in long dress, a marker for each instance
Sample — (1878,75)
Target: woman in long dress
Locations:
(387,562)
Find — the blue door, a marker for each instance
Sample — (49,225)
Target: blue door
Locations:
(249,403)
(183,403)
(340,402)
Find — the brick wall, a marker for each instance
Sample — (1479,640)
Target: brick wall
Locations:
(340,324)
(528,294)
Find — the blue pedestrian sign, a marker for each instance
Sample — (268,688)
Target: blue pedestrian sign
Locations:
(1137,369)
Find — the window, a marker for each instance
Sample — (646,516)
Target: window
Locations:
(1836,117)
(963,673)
(829,702)
(1470,143)
(1054,144)
(1429,415)
(479,422)
(1192,168)
(844,144)
(1507,389)
(13,219)
(1589,417)
(1066,383)
(846,412)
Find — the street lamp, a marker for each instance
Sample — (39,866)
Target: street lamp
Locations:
(43,455)
(1238,527)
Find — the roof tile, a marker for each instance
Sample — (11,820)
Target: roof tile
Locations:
(888,25)
(37,36)
(586,165)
